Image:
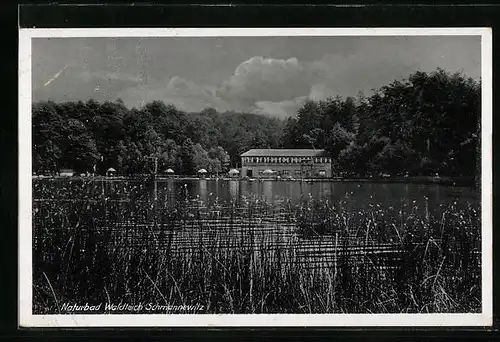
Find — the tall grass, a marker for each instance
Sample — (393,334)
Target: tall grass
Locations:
(249,255)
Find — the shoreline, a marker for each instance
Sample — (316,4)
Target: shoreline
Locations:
(449,181)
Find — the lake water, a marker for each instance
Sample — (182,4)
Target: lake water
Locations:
(352,195)
(124,220)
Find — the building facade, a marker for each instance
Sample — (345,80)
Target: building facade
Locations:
(291,163)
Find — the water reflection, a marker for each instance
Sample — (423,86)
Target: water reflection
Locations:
(267,189)
(202,189)
(234,189)
(170,194)
(350,195)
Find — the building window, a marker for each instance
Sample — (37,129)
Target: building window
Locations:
(284,172)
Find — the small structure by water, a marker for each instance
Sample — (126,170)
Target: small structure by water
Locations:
(202,172)
(234,173)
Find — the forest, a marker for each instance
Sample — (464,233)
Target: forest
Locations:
(425,124)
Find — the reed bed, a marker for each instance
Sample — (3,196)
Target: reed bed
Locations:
(248,255)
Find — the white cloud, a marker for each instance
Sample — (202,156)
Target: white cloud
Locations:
(267,86)
(266,79)
(270,86)
(182,93)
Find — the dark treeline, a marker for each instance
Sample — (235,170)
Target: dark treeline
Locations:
(79,135)
(426,124)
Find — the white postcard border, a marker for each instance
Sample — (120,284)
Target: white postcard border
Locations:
(25,296)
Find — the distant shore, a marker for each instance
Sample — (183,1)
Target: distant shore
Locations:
(454,181)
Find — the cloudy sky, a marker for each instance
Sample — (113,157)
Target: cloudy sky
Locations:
(266,75)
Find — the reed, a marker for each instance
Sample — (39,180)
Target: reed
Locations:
(249,255)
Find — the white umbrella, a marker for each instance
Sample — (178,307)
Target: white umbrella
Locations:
(268,172)
(170,171)
(202,171)
(111,170)
(234,172)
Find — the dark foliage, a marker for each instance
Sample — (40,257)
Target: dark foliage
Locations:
(421,126)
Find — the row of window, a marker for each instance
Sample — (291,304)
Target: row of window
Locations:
(289,173)
(284,160)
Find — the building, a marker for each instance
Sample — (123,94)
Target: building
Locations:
(294,163)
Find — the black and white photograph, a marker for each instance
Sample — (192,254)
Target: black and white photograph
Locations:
(249,177)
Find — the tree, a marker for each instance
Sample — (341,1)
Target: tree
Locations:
(79,148)
(187,153)
(200,157)
(47,137)
(219,159)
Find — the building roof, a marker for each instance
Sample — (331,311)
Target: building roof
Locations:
(284,153)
